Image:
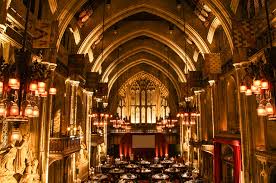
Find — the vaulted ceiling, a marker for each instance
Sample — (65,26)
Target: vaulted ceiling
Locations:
(169,36)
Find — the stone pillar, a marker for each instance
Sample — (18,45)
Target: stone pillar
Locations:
(181,137)
(212,85)
(42,147)
(89,98)
(199,135)
(72,96)
(46,115)
(243,129)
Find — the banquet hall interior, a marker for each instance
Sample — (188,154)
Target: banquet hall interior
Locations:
(138,91)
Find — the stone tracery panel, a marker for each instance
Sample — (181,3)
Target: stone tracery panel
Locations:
(147,95)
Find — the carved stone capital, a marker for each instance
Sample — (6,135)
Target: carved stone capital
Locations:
(72,82)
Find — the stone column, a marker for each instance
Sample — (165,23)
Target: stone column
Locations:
(43,140)
(73,119)
(212,84)
(46,115)
(181,137)
(199,135)
(71,95)
(243,129)
(89,96)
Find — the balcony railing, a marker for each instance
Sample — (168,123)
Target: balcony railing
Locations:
(64,145)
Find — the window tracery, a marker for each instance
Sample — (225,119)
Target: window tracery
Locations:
(147,98)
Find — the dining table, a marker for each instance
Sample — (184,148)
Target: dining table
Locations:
(131,166)
(186,176)
(116,172)
(179,165)
(160,176)
(144,163)
(106,167)
(99,177)
(172,170)
(128,176)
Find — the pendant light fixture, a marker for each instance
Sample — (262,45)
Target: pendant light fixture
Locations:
(22,83)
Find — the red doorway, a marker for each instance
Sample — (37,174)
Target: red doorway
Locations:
(235,145)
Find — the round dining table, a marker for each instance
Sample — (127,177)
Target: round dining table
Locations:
(106,167)
(144,173)
(131,166)
(116,172)
(144,163)
(179,165)
(172,170)
(160,176)
(128,176)
(99,177)
(156,168)
(186,176)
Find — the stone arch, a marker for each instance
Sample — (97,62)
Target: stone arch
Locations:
(212,29)
(135,34)
(149,62)
(53,5)
(109,69)
(97,31)
(216,7)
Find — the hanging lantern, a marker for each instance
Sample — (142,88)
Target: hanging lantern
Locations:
(258,91)
(52,91)
(16,134)
(44,94)
(12,82)
(269,109)
(257,83)
(2,109)
(41,87)
(264,85)
(35,111)
(261,110)
(29,111)
(33,87)
(14,111)
(248,92)
(254,88)
(243,88)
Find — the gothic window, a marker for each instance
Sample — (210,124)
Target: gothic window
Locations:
(146,97)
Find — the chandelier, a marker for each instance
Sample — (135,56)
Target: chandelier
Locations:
(22,84)
(255,82)
(99,115)
(189,113)
(117,122)
(169,122)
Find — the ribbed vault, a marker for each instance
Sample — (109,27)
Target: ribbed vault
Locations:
(112,45)
(175,37)
(66,13)
(162,57)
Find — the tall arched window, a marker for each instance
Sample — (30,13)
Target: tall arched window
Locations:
(146,98)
